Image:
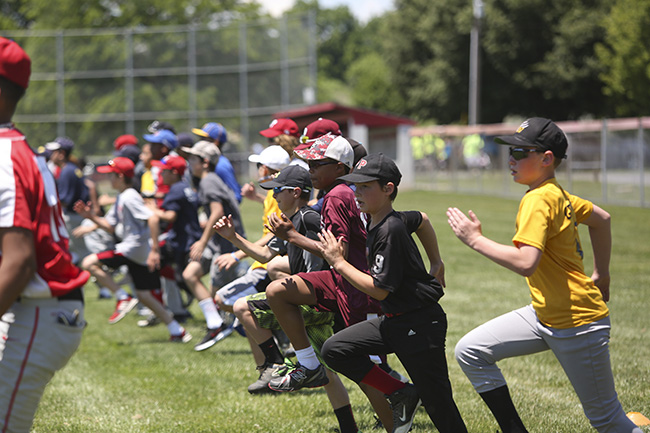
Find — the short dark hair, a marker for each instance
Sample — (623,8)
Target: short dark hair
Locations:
(10,90)
(384,182)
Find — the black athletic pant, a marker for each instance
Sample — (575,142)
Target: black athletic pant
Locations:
(418,340)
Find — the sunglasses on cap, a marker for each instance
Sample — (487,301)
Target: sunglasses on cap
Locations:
(519,153)
(279,189)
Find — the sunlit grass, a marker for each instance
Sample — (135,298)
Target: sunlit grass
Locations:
(127,379)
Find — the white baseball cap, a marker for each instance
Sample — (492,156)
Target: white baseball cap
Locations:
(274,157)
(329,146)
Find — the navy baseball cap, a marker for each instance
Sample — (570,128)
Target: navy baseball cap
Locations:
(375,166)
(293,176)
(64,143)
(212,130)
(539,133)
(129,151)
(164,137)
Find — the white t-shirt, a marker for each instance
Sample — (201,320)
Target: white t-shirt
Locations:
(129,216)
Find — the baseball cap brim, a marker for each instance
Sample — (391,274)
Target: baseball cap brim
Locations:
(200,132)
(272,184)
(53,146)
(270,132)
(106,169)
(513,140)
(358,178)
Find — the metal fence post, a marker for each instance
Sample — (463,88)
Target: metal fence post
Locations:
(603,160)
(60,85)
(128,83)
(243,83)
(641,164)
(284,61)
(191,75)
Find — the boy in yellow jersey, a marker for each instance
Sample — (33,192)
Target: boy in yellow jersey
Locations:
(568,314)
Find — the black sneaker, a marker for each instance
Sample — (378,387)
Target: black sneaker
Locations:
(211,338)
(266,374)
(404,402)
(300,377)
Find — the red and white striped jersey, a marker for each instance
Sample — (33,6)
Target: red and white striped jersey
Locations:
(28,199)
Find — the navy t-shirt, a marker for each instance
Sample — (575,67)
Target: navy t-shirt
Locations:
(71,186)
(186,230)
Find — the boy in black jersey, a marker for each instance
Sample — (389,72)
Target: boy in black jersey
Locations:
(414,325)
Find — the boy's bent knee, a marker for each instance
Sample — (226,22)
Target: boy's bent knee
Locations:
(89,261)
(240,307)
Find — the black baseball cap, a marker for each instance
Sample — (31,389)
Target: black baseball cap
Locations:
(292,176)
(358,149)
(539,133)
(374,167)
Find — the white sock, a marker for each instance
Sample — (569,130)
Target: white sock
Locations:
(212,317)
(122,295)
(175,328)
(307,357)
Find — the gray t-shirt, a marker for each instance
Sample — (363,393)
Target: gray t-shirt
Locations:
(129,216)
(213,189)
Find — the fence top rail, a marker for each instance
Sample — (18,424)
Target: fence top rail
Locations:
(623,124)
(223,21)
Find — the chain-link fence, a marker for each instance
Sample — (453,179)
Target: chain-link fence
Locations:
(96,84)
(608,160)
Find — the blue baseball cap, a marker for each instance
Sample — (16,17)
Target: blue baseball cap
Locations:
(212,130)
(164,137)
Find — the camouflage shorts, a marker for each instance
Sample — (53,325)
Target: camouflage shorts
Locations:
(317,323)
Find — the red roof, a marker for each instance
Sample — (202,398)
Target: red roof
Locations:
(342,114)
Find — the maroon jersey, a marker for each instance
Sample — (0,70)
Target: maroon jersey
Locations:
(28,199)
(341,215)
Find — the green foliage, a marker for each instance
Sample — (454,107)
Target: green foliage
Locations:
(537,58)
(370,80)
(625,54)
(127,379)
(544,53)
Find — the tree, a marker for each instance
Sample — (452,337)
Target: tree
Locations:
(625,56)
(537,58)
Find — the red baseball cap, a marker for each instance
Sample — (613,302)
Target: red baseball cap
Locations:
(119,165)
(15,64)
(279,127)
(125,140)
(171,162)
(317,129)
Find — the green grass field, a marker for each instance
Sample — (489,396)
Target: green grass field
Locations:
(127,379)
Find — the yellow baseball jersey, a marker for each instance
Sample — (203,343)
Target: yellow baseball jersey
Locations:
(147,184)
(270,206)
(563,295)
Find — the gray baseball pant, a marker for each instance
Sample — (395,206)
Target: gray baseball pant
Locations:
(583,353)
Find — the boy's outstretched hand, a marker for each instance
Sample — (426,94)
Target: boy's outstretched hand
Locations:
(83,209)
(330,248)
(468,230)
(280,226)
(225,227)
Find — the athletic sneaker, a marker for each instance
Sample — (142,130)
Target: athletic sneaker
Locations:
(300,377)
(122,308)
(212,337)
(404,402)
(151,320)
(267,371)
(183,337)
